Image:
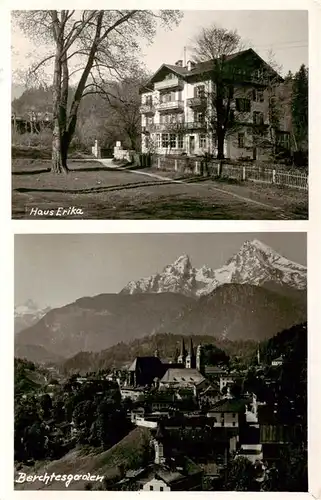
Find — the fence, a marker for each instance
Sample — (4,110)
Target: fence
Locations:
(186,165)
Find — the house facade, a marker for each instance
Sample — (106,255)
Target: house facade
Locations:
(178,113)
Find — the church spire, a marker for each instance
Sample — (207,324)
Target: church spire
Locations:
(182,354)
(190,358)
(191,348)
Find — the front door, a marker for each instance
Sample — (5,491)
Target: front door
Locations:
(191,144)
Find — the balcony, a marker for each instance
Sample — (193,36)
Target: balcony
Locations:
(147,109)
(169,83)
(196,125)
(171,106)
(173,127)
(197,102)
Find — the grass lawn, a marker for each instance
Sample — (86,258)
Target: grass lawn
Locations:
(98,192)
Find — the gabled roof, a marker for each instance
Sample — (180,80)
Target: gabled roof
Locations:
(182,375)
(203,67)
(234,405)
(146,364)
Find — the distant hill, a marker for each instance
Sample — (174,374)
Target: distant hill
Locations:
(16,91)
(234,312)
(123,354)
(36,354)
(241,312)
(96,323)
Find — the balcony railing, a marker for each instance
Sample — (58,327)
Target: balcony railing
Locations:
(169,83)
(196,102)
(174,127)
(147,109)
(171,105)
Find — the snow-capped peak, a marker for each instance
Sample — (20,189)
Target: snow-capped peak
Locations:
(255,263)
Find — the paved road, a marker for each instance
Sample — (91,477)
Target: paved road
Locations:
(105,191)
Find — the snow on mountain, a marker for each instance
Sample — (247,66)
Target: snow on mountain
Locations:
(28,314)
(255,264)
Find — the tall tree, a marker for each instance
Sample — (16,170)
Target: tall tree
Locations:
(215,44)
(88,46)
(300,95)
(227,76)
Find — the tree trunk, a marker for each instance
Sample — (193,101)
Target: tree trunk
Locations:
(57,164)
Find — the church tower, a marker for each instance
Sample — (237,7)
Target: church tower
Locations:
(182,355)
(258,355)
(190,358)
(199,359)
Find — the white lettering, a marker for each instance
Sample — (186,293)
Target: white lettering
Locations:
(21,478)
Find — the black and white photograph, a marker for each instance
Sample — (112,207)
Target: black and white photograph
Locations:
(161,362)
(160,114)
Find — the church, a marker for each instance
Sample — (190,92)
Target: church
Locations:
(183,372)
(187,373)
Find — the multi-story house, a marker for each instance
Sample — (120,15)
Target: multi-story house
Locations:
(179,113)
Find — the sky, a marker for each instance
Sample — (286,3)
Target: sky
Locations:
(55,269)
(285,33)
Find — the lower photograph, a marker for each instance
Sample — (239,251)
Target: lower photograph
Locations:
(161,362)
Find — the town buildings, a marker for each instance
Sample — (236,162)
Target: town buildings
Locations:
(179,114)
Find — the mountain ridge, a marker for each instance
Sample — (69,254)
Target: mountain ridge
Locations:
(255,263)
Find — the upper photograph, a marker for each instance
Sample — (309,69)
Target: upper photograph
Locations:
(160,114)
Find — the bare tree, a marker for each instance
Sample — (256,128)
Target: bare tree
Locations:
(229,66)
(216,44)
(90,47)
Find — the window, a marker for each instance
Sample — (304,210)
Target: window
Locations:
(141,486)
(258,118)
(151,488)
(149,120)
(180,142)
(243,104)
(149,100)
(168,97)
(200,91)
(165,140)
(161,488)
(234,415)
(203,141)
(233,424)
(172,140)
(158,140)
(240,138)
(222,415)
(258,95)
(199,117)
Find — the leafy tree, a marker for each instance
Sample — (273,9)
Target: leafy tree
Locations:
(240,475)
(213,355)
(300,107)
(92,46)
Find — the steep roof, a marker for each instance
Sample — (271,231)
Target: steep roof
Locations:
(234,405)
(204,67)
(182,375)
(146,364)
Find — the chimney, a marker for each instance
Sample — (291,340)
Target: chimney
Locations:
(190,65)
(179,63)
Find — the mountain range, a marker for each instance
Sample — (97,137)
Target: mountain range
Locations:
(254,264)
(256,294)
